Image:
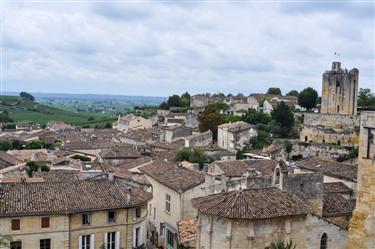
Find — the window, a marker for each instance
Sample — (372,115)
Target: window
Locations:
(16,224)
(170,239)
(138,212)
(111,240)
(45,244)
(168,203)
(150,210)
(86,219)
(323,241)
(85,242)
(45,222)
(338,108)
(111,216)
(16,245)
(154,213)
(137,236)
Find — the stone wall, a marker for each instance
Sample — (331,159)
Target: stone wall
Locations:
(326,151)
(362,225)
(199,140)
(305,232)
(330,128)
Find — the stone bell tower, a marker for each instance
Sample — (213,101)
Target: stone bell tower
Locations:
(339,90)
(362,225)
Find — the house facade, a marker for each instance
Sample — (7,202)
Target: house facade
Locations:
(234,136)
(82,214)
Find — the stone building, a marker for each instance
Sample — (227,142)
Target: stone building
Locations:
(173,187)
(74,214)
(132,122)
(339,90)
(337,122)
(362,226)
(234,136)
(253,218)
(198,139)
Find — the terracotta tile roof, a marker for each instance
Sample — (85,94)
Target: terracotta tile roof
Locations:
(335,204)
(169,174)
(123,169)
(120,152)
(262,203)
(9,159)
(236,126)
(53,198)
(167,146)
(337,187)
(35,155)
(187,232)
(58,175)
(330,168)
(237,168)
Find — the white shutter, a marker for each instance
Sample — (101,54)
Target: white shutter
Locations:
(117,241)
(92,241)
(80,242)
(105,240)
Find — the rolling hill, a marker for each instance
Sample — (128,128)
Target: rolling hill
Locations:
(25,110)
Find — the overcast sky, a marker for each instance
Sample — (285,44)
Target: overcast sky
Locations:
(161,48)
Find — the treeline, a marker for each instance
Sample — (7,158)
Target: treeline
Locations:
(176,101)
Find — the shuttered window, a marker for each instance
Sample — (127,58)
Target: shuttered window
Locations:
(16,224)
(45,222)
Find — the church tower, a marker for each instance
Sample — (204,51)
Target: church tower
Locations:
(339,90)
(362,225)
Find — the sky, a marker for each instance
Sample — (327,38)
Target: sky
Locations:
(158,48)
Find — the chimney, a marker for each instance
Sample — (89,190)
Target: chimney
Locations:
(128,195)
(110,176)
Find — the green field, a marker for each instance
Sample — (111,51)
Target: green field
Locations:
(25,110)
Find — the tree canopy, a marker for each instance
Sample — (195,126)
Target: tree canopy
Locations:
(283,119)
(254,117)
(308,98)
(194,155)
(27,96)
(274,90)
(210,119)
(294,93)
(366,98)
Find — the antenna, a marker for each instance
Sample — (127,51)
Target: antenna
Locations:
(338,55)
(335,56)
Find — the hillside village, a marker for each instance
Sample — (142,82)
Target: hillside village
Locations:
(202,171)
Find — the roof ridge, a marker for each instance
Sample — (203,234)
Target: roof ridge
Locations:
(234,201)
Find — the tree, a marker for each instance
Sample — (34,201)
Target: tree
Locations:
(35,145)
(4,116)
(283,117)
(210,119)
(91,118)
(194,155)
(288,147)
(262,140)
(232,118)
(308,98)
(366,98)
(185,99)
(164,106)
(293,93)
(27,96)
(108,125)
(33,166)
(281,245)
(174,101)
(274,90)
(255,117)
(17,145)
(5,145)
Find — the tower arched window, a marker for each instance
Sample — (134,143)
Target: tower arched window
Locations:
(323,241)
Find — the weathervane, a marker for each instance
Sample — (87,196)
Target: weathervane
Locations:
(337,56)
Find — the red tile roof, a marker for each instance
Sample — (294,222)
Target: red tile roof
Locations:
(262,203)
(53,198)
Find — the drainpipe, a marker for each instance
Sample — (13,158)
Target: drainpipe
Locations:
(127,227)
(69,232)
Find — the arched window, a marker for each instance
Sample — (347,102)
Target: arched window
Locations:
(323,241)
